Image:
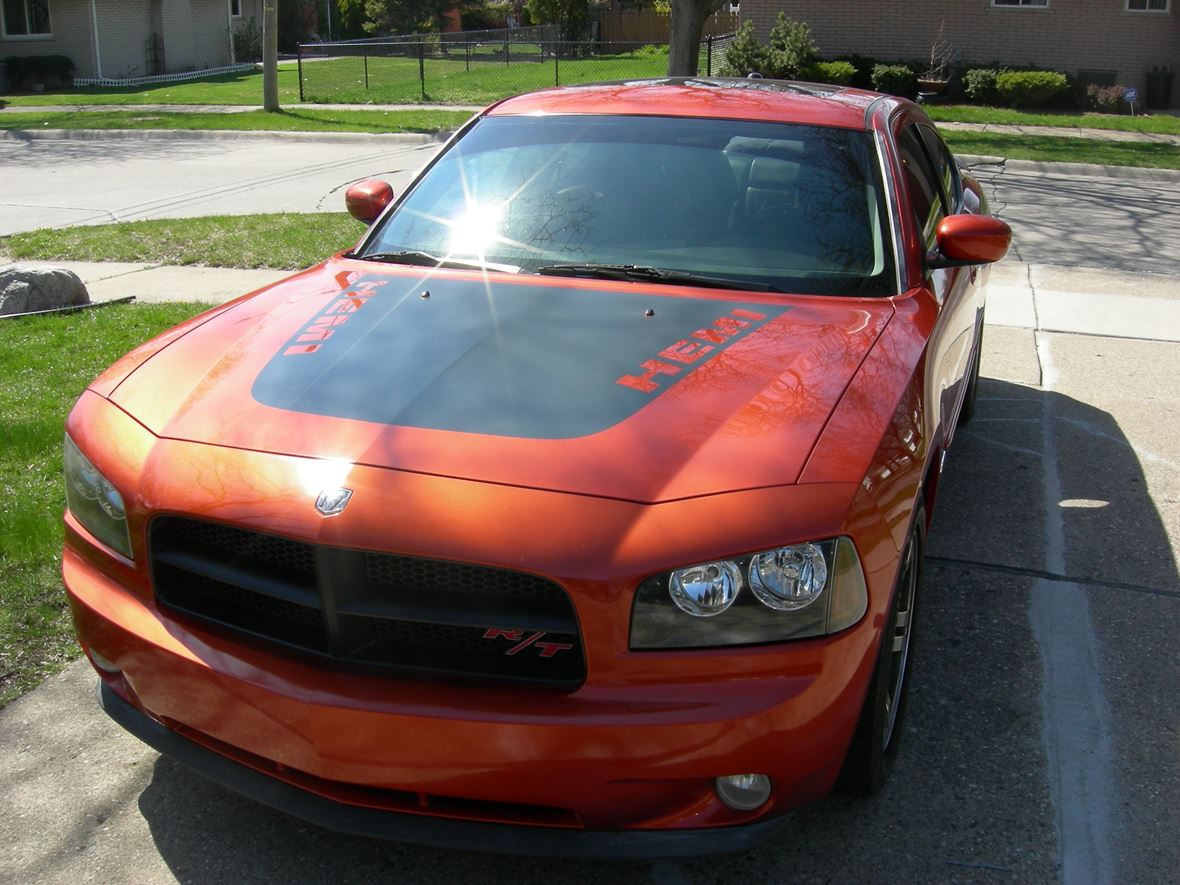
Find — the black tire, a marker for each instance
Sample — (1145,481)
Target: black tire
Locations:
(967,412)
(878,733)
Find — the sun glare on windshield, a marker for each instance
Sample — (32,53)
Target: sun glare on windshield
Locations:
(475,230)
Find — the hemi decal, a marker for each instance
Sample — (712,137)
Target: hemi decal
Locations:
(723,330)
(334,315)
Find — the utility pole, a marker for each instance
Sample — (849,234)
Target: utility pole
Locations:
(270,55)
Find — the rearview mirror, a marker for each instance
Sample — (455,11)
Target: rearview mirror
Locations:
(969,239)
(367,199)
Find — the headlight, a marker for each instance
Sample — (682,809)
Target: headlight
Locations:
(93,501)
(705,590)
(797,591)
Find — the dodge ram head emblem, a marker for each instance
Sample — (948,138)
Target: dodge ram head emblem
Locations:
(332,501)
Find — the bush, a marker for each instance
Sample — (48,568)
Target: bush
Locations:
(895,79)
(572,15)
(979,85)
(28,71)
(1108,99)
(791,50)
(248,41)
(1030,89)
(744,55)
(485,16)
(839,73)
(864,64)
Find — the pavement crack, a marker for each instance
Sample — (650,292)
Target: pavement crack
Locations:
(1044,575)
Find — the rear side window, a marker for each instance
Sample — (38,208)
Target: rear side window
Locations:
(944,167)
(921,183)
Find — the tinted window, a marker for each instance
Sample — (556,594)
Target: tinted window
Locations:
(921,182)
(797,207)
(944,166)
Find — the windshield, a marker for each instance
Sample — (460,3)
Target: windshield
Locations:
(790,207)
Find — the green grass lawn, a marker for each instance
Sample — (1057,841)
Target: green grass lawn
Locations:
(289,120)
(1051,149)
(397,81)
(389,81)
(1159,123)
(46,362)
(240,88)
(283,241)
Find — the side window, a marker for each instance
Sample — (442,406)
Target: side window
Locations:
(944,165)
(921,183)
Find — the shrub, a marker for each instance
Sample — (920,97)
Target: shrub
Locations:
(979,85)
(27,71)
(1108,99)
(744,55)
(485,16)
(895,79)
(1030,89)
(791,50)
(248,41)
(864,64)
(839,73)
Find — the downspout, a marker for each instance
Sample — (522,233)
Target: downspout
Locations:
(229,30)
(97,47)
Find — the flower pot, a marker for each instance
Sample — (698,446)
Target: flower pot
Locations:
(936,86)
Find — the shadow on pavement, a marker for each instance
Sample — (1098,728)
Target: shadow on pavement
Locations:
(970,796)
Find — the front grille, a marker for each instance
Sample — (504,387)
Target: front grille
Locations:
(368,609)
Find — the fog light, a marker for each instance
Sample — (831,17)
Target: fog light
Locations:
(743,792)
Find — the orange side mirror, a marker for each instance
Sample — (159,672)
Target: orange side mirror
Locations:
(367,199)
(970,239)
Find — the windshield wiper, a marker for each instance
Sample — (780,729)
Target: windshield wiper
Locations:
(425,259)
(642,274)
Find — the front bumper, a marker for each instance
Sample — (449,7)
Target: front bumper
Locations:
(435,832)
(610,768)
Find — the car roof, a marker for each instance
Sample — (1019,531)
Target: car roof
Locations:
(778,101)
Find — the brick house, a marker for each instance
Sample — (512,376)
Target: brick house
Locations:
(118,39)
(1113,41)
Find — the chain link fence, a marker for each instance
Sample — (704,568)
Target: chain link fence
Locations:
(475,67)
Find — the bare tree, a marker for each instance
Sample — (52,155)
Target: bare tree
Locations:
(684,42)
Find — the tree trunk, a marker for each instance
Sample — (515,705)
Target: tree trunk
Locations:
(684,41)
(270,55)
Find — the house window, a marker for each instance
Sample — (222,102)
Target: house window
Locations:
(25,18)
(235,8)
(1147,5)
(1035,4)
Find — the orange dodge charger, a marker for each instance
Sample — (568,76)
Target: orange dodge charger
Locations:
(580,508)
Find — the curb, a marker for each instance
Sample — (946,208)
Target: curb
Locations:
(1092,170)
(29,135)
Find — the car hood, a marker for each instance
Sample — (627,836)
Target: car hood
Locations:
(638,392)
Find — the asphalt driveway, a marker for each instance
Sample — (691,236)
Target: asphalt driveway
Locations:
(1043,736)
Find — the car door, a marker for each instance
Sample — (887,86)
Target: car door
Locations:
(935,191)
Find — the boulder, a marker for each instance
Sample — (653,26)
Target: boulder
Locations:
(26,289)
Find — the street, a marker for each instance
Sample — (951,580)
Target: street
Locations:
(1042,742)
(1120,223)
(55,183)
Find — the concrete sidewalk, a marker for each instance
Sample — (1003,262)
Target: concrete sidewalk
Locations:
(1084,301)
